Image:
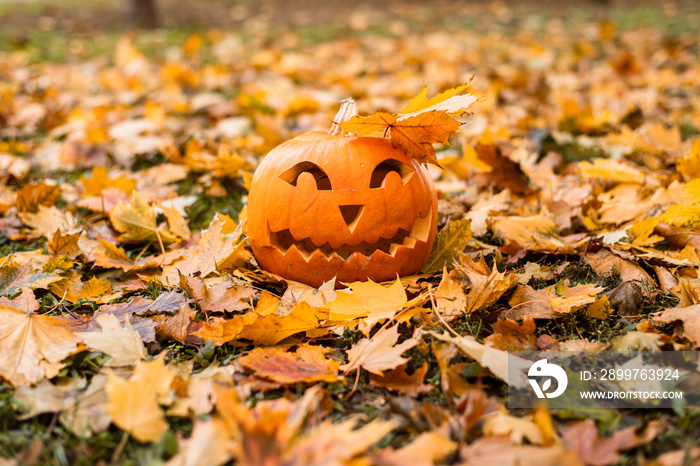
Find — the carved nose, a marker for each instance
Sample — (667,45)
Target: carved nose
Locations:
(350,213)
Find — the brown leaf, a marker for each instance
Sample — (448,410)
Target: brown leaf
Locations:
(450,298)
(487,285)
(605,264)
(505,173)
(595,450)
(32,195)
(397,380)
(508,335)
(415,134)
(307,364)
(627,298)
(177,327)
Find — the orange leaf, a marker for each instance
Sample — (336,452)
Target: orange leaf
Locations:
(415,134)
(378,353)
(307,364)
(363,126)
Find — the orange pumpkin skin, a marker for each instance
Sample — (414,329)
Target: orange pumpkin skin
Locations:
(355,208)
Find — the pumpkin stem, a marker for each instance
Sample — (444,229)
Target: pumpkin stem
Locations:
(348,109)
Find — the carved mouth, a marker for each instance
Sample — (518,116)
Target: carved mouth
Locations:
(284,241)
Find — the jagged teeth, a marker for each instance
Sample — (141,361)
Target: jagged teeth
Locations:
(420,231)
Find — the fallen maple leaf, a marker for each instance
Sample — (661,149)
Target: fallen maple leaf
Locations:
(220,331)
(690,316)
(137,222)
(307,364)
(500,450)
(73,289)
(32,345)
(208,444)
(219,297)
(123,344)
(426,450)
(32,195)
(272,327)
(450,299)
(451,240)
(497,361)
(606,264)
(398,380)
(214,253)
(565,299)
(133,403)
(508,335)
(177,327)
(487,286)
(15,276)
(516,428)
(368,300)
(378,353)
(595,450)
(100,180)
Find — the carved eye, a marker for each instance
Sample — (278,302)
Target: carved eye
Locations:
(291,176)
(382,170)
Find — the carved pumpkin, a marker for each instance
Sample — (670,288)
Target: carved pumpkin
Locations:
(323,206)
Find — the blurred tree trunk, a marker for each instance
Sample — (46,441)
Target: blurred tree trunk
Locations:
(142,14)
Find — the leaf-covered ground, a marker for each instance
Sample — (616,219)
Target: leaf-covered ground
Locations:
(136,327)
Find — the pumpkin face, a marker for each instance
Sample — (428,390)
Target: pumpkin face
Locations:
(353,207)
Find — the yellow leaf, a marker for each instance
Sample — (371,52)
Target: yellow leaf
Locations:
(221,331)
(566,300)
(451,240)
(368,300)
(133,403)
(687,213)
(272,327)
(137,222)
(449,99)
(689,165)
(123,344)
(615,171)
(450,299)
(100,180)
(176,223)
(363,126)
(73,289)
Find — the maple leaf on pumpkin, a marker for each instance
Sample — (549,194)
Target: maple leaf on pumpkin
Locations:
(422,123)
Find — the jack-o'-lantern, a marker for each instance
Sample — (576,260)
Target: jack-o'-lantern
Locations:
(326,205)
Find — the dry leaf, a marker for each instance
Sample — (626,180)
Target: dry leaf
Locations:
(137,222)
(509,336)
(32,345)
(15,276)
(133,403)
(451,240)
(379,353)
(307,364)
(398,380)
(427,449)
(595,450)
(123,344)
(690,316)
